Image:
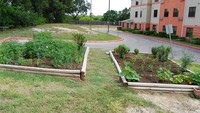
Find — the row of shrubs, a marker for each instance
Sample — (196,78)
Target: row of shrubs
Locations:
(43,46)
(162,35)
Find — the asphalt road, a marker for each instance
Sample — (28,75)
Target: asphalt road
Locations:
(143,44)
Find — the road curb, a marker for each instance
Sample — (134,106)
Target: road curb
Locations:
(92,41)
(14,38)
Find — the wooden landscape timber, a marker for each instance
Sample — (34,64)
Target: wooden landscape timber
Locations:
(154,86)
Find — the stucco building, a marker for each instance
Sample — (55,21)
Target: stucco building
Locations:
(155,14)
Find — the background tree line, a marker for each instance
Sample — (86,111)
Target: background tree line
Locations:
(20,13)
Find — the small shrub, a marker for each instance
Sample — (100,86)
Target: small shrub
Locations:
(136,51)
(164,74)
(148,33)
(119,28)
(154,50)
(196,78)
(122,50)
(161,52)
(162,34)
(174,36)
(186,61)
(80,39)
(130,74)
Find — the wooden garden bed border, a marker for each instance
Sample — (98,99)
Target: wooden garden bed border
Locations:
(49,71)
(153,86)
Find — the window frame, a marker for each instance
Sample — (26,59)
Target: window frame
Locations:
(175,12)
(192,12)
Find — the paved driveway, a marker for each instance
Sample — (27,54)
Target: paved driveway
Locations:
(143,44)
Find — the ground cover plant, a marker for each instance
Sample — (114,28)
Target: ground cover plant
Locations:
(43,51)
(154,68)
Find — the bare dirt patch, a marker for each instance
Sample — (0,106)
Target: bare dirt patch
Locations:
(140,110)
(173,102)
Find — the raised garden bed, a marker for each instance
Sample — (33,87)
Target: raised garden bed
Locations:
(44,55)
(149,80)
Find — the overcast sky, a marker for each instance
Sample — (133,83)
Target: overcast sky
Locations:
(99,7)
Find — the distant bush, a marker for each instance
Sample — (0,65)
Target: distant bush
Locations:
(122,50)
(162,34)
(119,28)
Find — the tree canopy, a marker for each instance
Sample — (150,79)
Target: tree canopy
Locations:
(32,12)
(115,16)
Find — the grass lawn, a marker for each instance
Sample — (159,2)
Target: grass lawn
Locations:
(194,67)
(100,93)
(60,31)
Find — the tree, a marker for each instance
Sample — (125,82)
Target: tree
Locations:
(78,7)
(124,14)
(110,16)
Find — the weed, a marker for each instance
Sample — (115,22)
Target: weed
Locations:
(80,39)
(186,61)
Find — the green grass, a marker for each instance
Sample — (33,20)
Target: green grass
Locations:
(100,93)
(60,34)
(194,67)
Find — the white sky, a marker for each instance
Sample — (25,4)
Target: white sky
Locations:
(99,7)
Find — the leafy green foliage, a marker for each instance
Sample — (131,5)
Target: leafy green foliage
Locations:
(178,79)
(164,74)
(80,39)
(122,50)
(186,61)
(41,47)
(136,51)
(10,52)
(196,78)
(130,74)
(154,50)
(161,52)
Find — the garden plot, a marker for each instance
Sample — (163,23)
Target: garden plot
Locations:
(153,71)
(45,55)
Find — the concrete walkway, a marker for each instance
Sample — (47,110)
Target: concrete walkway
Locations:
(143,44)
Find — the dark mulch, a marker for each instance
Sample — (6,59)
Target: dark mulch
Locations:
(150,64)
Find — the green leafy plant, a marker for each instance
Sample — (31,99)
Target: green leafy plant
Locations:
(150,67)
(186,61)
(133,60)
(154,50)
(196,78)
(161,52)
(142,67)
(80,39)
(136,51)
(130,74)
(178,79)
(164,74)
(122,50)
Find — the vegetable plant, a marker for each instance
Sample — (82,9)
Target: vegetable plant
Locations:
(161,52)
(130,74)
(178,79)
(196,78)
(164,74)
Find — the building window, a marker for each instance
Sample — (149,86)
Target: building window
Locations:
(136,3)
(166,13)
(136,14)
(174,30)
(155,13)
(164,29)
(140,14)
(154,28)
(189,32)
(156,0)
(175,14)
(135,26)
(192,11)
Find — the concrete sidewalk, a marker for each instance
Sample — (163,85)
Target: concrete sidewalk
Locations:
(143,44)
